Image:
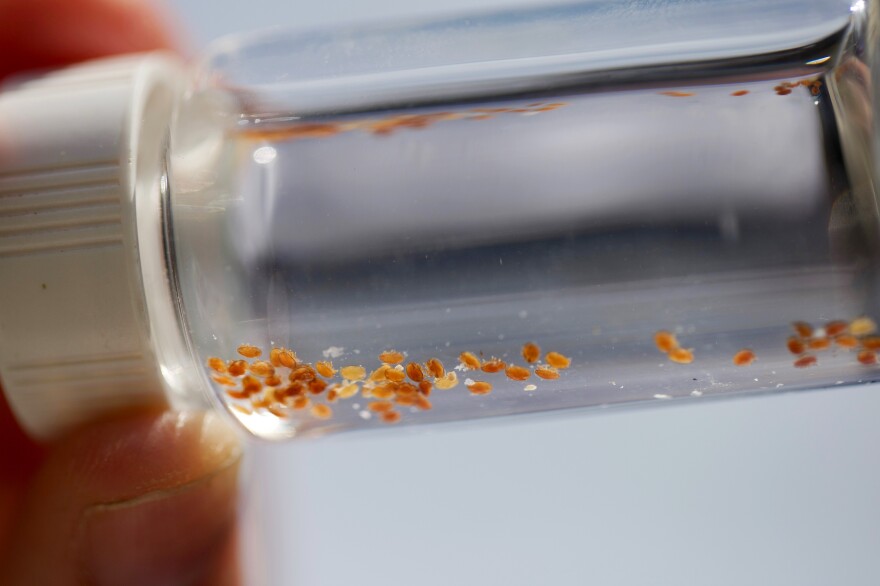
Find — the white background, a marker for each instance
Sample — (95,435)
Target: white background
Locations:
(780,490)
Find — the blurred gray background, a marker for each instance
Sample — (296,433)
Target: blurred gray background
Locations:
(781,490)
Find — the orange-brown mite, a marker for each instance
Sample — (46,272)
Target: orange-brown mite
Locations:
(406,389)
(415,372)
(744,357)
(480,388)
(739,93)
(262,368)
(665,341)
(435,367)
(676,94)
(380,406)
(241,409)
(383,392)
(470,360)
(303,373)
(796,345)
(867,357)
(317,386)
(216,364)
(237,367)
(224,380)
(301,402)
(260,402)
(277,411)
(846,341)
(447,381)
(287,358)
(251,385)
(395,375)
(391,357)
(818,343)
(353,372)
(325,369)
(515,372)
(321,411)
(275,356)
(871,342)
(557,360)
(390,416)
(425,388)
(405,400)
(531,352)
(805,361)
(547,372)
(493,365)
(862,326)
(681,355)
(349,390)
(237,394)
(249,351)
(833,328)
(803,329)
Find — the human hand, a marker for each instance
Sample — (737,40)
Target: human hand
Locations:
(143,498)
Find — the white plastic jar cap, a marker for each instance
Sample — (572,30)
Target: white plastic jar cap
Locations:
(75,329)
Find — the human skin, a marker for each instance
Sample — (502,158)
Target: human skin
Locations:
(145,497)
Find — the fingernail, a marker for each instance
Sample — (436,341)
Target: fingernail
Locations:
(171,535)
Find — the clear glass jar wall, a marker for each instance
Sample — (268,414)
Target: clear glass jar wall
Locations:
(595,204)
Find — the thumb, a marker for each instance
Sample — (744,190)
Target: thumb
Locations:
(145,499)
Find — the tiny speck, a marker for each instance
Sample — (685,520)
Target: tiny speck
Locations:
(693,379)
(334,352)
(523,314)
(44,285)
(661,396)
(447,344)
(448,310)
(500,336)
(779,385)
(356,406)
(468,381)
(530,388)
(265,155)
(756,380)
(697,393)
(365,414)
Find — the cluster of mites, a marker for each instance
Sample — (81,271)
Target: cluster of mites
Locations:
(391,124)
(783,89)
(857,335)
(283,383)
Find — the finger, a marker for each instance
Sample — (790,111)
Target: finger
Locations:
(143,499)
(47,33)
(19,459)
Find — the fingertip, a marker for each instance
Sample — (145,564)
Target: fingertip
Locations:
(49,33)
(145,498)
